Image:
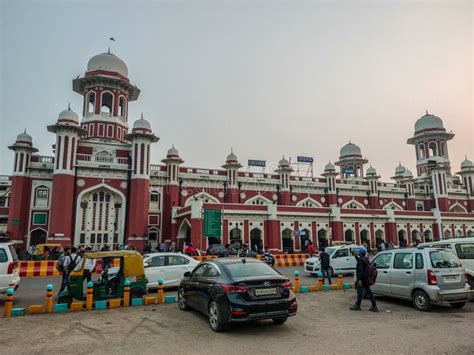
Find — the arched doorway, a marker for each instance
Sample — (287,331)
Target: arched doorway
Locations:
(256,240)
(379,237)
(447,234)
(428,236)
(184,234)
(100,217)
(365,237)
(235,237)
(287,240)
(305,238)
(402,239)
(349,235)
(322,238)
(469,233)
(153,238)
(415,237)
(37,236)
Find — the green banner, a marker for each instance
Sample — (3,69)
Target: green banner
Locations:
(212,223)
(39,218)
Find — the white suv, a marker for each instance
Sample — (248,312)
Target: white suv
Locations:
(341,260)
(9,274)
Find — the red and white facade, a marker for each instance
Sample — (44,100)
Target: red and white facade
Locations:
(101,187)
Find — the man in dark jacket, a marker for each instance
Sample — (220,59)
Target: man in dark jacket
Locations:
(325,261)
(362,280)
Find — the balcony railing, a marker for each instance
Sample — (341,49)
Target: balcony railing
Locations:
(100,160)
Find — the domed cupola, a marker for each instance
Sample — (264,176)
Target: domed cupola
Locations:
(283,163)
(429,122)
(400,169)
(350,150)
(107,62)
(408,174)
(24,139)
(351,161)
(466,164)
(329,167)
(172,152)
(141,126)
(371,171)
(232,158)
(68,117)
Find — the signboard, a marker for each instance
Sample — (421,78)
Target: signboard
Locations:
(16,221)
(212,223)
(302,233)
(260,163)
(301,159)
(39,218)
(348,170)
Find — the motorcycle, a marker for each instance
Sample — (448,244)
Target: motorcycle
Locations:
(269,259)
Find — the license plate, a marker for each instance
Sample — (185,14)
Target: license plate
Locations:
(265,291)
(451,278)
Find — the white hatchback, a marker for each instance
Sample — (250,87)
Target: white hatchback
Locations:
(168,266)
(341,260)
(9,274)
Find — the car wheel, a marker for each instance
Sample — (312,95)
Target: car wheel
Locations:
(279,320)
(458,305)
(421,301)
(182,300)
(215,320)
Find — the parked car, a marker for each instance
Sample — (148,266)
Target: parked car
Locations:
(426,276)
(230,290)
(464,249)
(168,266)
(9,274)
(341,260)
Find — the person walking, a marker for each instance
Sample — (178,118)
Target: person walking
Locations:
(89,266)
(61,267)
(325,265)
(362,280)
(310,249)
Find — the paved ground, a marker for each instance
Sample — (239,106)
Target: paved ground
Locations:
(323,325)
(32,290)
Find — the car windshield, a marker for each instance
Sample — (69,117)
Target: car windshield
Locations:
(249,269)
(330,250)
(442,259)
(465,250)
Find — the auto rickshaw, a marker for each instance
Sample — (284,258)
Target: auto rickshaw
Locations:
(111,282)
(47,251)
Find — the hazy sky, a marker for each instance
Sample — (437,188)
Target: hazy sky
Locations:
(264,77)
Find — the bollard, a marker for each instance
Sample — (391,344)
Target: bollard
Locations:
(339,281)
(90,296)
(48,303)
(126,293)
(296,287)
(320,283)
(8,304)
(160,297)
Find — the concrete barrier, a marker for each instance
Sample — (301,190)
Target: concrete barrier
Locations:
(48,268)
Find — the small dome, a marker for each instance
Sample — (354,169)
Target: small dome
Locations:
(400,169)
(232,157)
(407,174)
(330,167)
(350,149)
(466,164)
(142,124)
(283,162)
(172,152)
(371,171)
(68,115)
(428,121)
(108,62)
(24,137)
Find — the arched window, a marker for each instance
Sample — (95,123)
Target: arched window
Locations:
(154,200)
(421,151)
(433,147)
(41,196)
(443,151)
(107,102)
(349,235)
(90,102)
(122,107)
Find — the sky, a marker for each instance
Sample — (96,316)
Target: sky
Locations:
(266,78)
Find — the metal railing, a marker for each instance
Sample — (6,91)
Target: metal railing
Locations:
(87,159)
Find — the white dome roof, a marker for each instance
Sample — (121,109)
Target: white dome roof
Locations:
(284,162)
(350,149)
(24,137)
(371,171)
(428,121)
(400,169)
(407,174)
(466,164)
(142,124)
(108,62)
(172,152)
(68,115)
(329,167)
(231,156)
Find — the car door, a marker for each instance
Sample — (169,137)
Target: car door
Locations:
(402,274)
(205,284)
(192,284)
(340,260)
(155,268)
(177,265)
(383,263)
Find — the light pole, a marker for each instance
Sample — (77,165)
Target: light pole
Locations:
(431,166)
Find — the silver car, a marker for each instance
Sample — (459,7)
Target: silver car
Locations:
(426,276)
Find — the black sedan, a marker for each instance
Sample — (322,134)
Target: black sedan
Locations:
(230,290)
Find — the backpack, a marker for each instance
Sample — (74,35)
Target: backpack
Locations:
(60,264)
(372,274)
(72,265)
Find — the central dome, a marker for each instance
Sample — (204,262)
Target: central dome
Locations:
(428,121)
(350,149)
(108,62)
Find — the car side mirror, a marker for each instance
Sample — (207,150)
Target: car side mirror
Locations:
(146,265)
(187,274)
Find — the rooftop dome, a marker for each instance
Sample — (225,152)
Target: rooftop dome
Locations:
(24,137)
(329,167)
(108,62)
(350,149)
(172,152)
(142,124)
(371,171)
(466,164)
(283,162)
(428,121)
(407,174)
(231,156)
(400,169)
(69,115)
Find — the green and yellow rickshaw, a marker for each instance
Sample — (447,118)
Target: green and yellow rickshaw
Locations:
(117,266)
(47,251)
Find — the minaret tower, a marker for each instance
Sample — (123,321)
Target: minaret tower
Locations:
(138,204)
(330,174)
(467,176)
(284,170)
(67,132)
(409,182)
(372,178)
(351,161)
(171,193)
(21,188)
(232,167)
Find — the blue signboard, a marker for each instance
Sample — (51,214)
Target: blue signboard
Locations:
(301,159)
(260,163)
(348,170)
